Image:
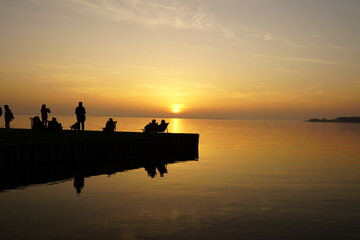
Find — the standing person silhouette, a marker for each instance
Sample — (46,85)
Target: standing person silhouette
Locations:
(44,114)
(80,115)
(8,116)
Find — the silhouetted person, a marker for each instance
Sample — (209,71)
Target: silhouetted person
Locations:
(154,124)
(162,126)
(37,124)
(151,127)
(110,126)
(44,114)
(80,115)
(54,125)
(8,116)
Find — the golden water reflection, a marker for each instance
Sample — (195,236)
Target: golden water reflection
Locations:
(253,180)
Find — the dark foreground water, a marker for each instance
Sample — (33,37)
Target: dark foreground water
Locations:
(253,180)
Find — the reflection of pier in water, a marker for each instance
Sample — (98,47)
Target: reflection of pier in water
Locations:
(54,162)
(20,176)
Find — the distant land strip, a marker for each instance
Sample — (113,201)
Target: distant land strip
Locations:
(337,120)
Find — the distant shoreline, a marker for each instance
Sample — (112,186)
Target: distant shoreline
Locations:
(337,120)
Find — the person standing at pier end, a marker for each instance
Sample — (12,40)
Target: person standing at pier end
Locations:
(8,116)
(80,115)
(44,114)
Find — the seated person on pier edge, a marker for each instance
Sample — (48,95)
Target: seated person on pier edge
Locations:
(154,127)
(110,126)
(36,123)
(54,125)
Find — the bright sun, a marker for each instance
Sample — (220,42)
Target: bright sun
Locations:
(176,108)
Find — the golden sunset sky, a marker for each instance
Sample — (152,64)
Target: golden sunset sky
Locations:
(247,59)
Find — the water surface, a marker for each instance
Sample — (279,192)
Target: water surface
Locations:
(253,180)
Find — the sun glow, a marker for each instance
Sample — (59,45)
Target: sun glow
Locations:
(176,108)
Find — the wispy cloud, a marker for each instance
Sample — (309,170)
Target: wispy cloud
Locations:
(268,37)
(298,59)
(286,41)
(154,13)
(316,35)
(197,85)
(286,70)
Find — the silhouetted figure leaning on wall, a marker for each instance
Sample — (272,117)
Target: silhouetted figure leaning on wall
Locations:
(80,115)
(44,114)
(8,116)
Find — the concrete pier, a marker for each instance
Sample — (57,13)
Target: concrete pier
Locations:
(29,157)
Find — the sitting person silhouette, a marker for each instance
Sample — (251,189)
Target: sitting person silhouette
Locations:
(37,124)
(54,125)
(151,127)
(110,126)
(162,126)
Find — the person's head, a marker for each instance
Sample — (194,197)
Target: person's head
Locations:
(153,121)
(110,119)
(43,106)
(80,103)
(54,119)
(6,107)
(163,121)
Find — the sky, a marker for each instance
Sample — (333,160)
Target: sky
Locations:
(245,59)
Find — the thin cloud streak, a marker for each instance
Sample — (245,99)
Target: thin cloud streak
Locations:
(286,70)
(286,41)
(311,60)
(153,13)
(316,35)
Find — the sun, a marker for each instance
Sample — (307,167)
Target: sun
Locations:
(176,108)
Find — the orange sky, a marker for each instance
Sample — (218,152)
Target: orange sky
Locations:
(273,59)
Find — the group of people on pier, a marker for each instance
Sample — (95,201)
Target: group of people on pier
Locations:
(43,123)
(54,125)
(154,127)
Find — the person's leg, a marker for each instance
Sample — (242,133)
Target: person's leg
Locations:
(7,124)
(82,125)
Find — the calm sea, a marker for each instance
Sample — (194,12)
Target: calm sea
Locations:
(253,180)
